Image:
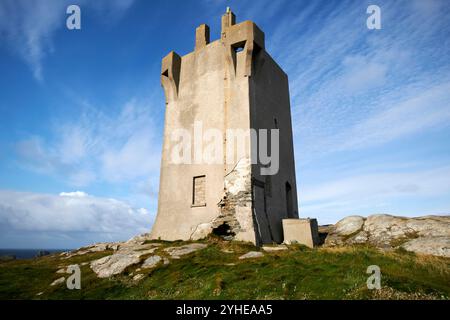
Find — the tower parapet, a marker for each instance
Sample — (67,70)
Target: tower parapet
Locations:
(201,36)
(170,75)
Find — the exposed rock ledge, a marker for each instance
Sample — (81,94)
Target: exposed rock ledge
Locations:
(136,251)
(424,235)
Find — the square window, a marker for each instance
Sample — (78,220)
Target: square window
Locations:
(199,191)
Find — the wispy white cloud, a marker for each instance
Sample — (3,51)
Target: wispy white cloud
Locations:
(389,120)
(420,183)
(73,194)
(361,74)
(71,214)
(425,110)
(119,147)
(27,27)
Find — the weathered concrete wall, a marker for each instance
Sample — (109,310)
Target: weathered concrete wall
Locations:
(270,109)
(200,98)
(238,42)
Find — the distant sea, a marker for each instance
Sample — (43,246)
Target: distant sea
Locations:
(27,253)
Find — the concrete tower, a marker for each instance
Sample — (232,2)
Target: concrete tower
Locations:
(229,85)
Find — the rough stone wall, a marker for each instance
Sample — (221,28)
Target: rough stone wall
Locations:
(235,220)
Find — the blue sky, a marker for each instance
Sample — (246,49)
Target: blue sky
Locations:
(82,111)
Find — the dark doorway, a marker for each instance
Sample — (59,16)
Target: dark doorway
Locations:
(289,205)
(261,214)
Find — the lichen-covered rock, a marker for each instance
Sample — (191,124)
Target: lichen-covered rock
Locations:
(349,225)
(132,246)
(151,262)
(360,238)
(251,254)
(176,252)
(114,264)
(383,229)
(344,228)
(135,244)
(430,226)
(425,235)
(91,249)
(436,246)
(128,253)
(275,248)
(141,238)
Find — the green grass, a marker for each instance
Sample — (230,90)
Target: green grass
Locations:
(298,273)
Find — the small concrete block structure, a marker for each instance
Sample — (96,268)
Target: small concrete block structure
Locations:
(302,231)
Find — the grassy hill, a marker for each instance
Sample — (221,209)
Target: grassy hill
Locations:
(217,273)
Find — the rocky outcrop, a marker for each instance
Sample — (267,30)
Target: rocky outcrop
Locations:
(176,252)
(437,246)
(135,243)
(151,262)
(425,235)
(97,247)
(113,264)
(129,254)
(139,239)
(135,252)
(349,225)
